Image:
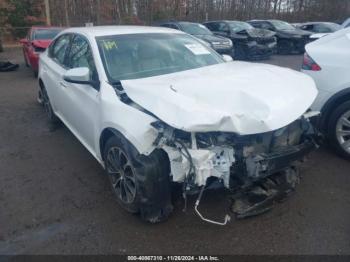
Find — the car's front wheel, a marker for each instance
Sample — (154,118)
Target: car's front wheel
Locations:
(339,129)
(140,183)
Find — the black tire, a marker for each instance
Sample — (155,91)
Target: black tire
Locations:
(332,130)
(140,184)
(53,119)
(284,47)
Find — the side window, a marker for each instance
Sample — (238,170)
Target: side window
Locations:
(266,25)
(212,26)
(59,48)
(223,27)
(256,25)
(80,55)
(321,29)
(173,26)
(308,28)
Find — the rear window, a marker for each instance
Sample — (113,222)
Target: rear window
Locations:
(45,34)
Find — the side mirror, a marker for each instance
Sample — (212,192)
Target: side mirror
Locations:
(24,41)
(80,75)
(227,58)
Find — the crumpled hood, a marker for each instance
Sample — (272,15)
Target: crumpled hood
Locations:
(257,33)
(238,97)
(42,43)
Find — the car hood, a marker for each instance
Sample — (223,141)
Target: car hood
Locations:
(258,33)
(212,38)
(238,97)
(42,43)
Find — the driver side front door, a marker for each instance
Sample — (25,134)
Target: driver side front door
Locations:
(80,101)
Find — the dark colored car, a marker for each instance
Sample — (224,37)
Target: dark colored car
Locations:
(37,40)
(319,27)
(289,39)
(249,43)
(220,44)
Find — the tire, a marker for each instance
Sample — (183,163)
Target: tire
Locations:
(284,47)
(53,119)
(338,130)
(141,184)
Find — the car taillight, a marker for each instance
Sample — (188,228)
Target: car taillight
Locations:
(310,64)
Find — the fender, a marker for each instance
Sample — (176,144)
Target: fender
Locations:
(335,100)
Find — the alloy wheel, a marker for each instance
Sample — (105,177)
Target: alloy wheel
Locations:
(121,174)
(343,131)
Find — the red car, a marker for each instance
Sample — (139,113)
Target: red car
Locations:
(37,40)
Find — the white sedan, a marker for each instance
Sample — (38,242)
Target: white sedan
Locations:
(155,106)
(327,61)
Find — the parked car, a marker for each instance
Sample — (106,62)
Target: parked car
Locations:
(327,62)
(319,29)
(346,23)
(220,44)
(289,39)
(155,106)
(36,41)
(249,43)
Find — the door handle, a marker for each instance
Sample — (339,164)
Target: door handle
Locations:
(63,84)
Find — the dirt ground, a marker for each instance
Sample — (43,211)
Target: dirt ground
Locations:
(55,199)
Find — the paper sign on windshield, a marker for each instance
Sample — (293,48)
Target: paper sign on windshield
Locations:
(197,49)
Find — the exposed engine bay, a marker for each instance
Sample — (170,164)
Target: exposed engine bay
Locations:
(262,166)
(233,159)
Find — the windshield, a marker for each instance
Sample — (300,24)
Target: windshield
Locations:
(145,55)
(195,29)
(281,25)
(45,34)
(239,26)
(333,27)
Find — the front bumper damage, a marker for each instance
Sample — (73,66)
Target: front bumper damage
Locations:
(256,169)
(260,52)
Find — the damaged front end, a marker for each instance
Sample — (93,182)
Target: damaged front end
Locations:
(256,168)
(256,44)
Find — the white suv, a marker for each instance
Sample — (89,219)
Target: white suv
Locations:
(155,106)
(327,61)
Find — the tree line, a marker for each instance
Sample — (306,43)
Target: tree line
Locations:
(77,12)
(23,13)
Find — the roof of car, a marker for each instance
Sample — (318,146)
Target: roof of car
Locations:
(264,20)
(225,21)
(314,23)
(95,31)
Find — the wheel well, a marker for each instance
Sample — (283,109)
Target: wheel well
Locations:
(105,135)
(331,104)
(41,83)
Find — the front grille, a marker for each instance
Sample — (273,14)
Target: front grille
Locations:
(264,41)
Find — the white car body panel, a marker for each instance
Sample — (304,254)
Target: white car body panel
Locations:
(318,35)
(225,97)
(236,97)
(332,54)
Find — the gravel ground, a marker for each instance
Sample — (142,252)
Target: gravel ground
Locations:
(55,199)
